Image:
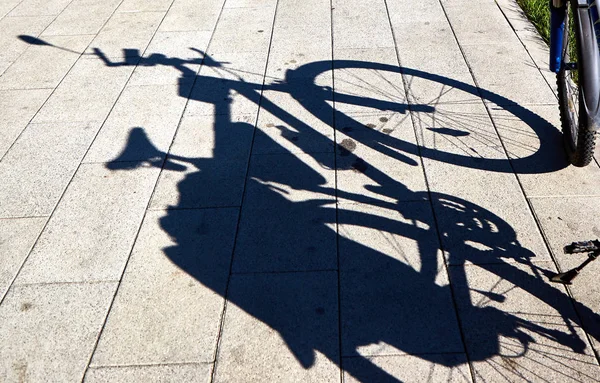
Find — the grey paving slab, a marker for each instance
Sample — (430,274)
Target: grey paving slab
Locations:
(44,66)
(248,3)
(17,237)
(11,47)
(361,24)
(483,216)
(426,12)
(533,140)
(38,168)
(295,120)
(243,30)
(130,30)
(377,159)
(505,69)
(186,15)
(82,17)
(102,83)
(151,374)
(156,109)
(49,331)
(368,81)
(144,6)
(566,220)
(414,368)
(483,24)
(228,84)
(39,8)
(517,326)
(8,5)
(102,209)
(464,126)
(393,272)
(18,108)
(169,305)
(207,164)
(280,326)
(303,238)
(179,45)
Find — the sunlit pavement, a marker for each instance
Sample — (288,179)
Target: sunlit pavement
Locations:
(287,191)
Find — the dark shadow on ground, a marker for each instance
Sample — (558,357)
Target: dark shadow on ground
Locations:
(385,299)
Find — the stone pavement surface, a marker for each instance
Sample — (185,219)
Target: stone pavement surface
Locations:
(287,191)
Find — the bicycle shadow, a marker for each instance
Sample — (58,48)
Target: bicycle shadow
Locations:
(391,302)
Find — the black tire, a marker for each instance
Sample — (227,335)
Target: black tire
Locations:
(578,139)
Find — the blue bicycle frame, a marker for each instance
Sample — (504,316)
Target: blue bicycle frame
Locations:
(587,29)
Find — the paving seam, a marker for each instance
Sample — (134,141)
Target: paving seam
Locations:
(529,204)
(430,200)
(237,229)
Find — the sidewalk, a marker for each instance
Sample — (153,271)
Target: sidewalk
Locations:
(287,191)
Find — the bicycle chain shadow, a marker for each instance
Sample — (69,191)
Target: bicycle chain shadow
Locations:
(403,303)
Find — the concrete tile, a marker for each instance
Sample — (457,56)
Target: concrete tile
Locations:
(567,220)
(44,66)
(377,159)
(18,108)
(169,305)
(298,121)
(103,85)
(307,12)
(144,6)
(17,237)
(82,17)
(151,374)
(180,45)
(228,84)
(295,61)
(40,165)
(361,24)
(186,15)
(451,368)
(7,5)
(249,3)
(369,82)
(11,47)
(210,153)
(483,24)
(517,326)
(482,214)
(533,140)
(40,8)
(387,306)
(102,209)
(243,30)
(280,325)
(156,109)
(131,30)
(506,70)
(49,331)
(464,126)
(426,12)
(304,237)
(399,237)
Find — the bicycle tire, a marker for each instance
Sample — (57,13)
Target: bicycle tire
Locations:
(578,138)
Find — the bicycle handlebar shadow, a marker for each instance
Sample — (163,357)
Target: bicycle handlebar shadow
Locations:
(378,288)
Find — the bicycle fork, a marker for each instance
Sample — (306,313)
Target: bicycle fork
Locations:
(558,13)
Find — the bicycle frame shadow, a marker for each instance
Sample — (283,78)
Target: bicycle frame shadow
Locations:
(377,287)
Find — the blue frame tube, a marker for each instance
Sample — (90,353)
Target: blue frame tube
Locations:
(557,32)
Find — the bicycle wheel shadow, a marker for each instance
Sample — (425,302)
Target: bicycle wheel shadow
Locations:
(394,300)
